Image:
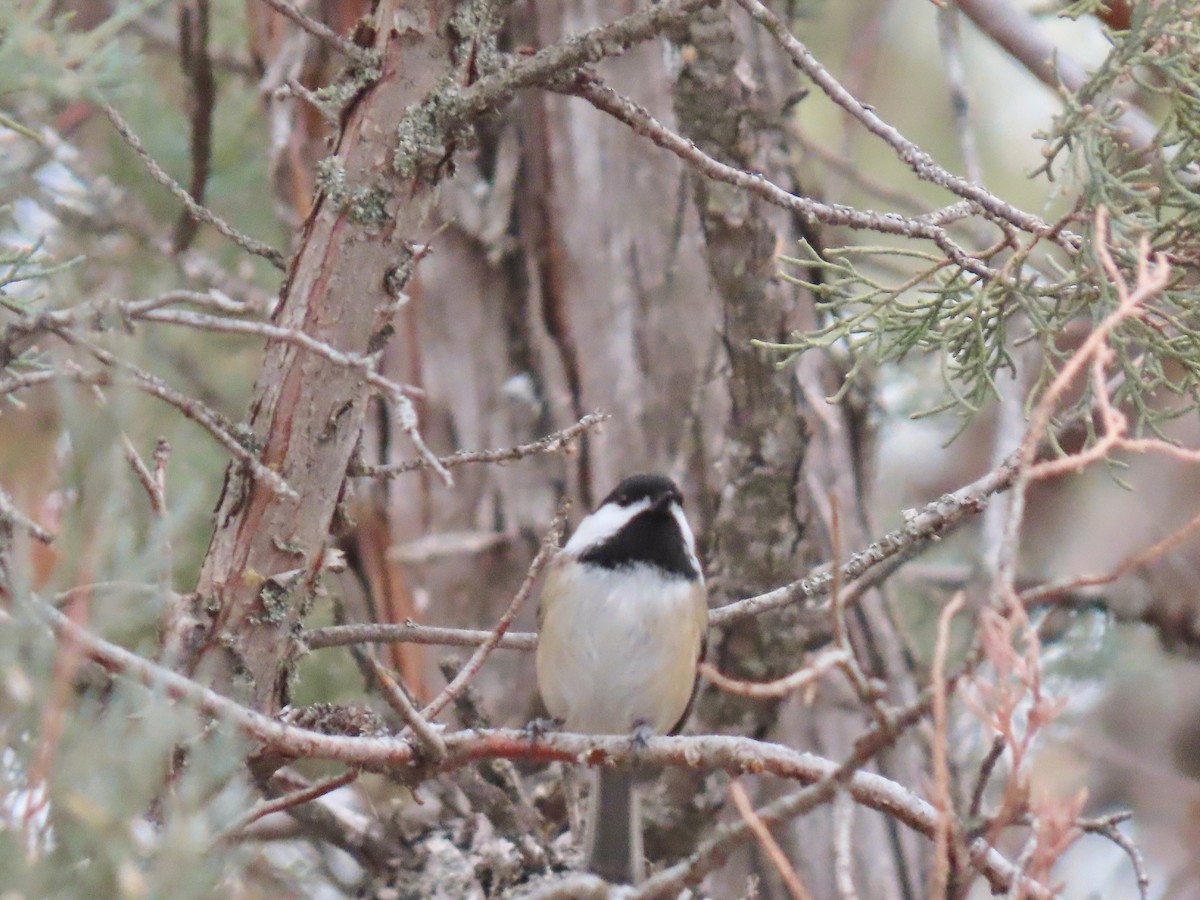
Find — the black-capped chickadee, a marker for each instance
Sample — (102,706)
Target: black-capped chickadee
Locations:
(623,623)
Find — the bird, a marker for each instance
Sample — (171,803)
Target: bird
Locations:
(622,627)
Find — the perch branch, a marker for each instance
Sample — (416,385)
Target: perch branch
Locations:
(736,755)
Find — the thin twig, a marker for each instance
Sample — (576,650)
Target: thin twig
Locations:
(999,872)
(985,774)
(70,654)
(11,514)
(1107,826)
(925,167)
(364,365)
(852,172)
(191,408)
(557,441)
(398,699)
(412,633)
(287,801)
(196,62)
(1020,35)
(869,692)
(1092,349)
(162,454)
(322,32)
(155,485)
(843,851)
(941,748)
(406,419)
(766,840)
(196,210)
(807,675)
(950,41)
(150,483)
(151,310)
(642,122)
(551,63)
(547,550)
(921,526)
(1070,585)
(25,380)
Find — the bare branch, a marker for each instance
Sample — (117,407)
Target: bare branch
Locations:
(770,846)
(736,755)
(1065,586)
(196,62)
(610,39)
(193,409)
(363,364)
(397,697)
(196,210)
(412,633)
(287,801)
(909,153)
(999,872)
(545,553)
(941,748)
(625,110)
(322,32)
(802,678)
(151,482)
(11,514)
(950,41)
(1019,34)
(843,854)
(933,519)
(396,394)
(555,442)
(1107,826)
(985,773)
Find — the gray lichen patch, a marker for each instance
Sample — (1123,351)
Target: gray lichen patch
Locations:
(365,204)
(274,599)
(427,129)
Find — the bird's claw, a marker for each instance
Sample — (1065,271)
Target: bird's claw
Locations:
(641,736)
(537,728)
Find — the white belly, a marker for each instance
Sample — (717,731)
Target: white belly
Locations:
(619,647)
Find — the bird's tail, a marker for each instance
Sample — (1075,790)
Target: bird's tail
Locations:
(613,842)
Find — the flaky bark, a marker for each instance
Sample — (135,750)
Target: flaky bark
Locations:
(308,413)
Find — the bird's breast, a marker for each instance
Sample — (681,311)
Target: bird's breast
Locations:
(619,647)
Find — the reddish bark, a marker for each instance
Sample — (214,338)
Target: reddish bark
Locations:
(308,413)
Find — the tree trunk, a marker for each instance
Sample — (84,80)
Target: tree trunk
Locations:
(308,413)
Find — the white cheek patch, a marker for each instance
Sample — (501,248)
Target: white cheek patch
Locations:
(603,524)
(689,540)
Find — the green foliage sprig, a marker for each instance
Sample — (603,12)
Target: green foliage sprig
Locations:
(878,307)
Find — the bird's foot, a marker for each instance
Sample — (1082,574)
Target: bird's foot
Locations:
(641,736)
(537,728)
